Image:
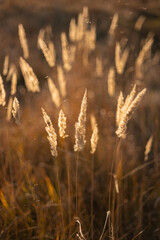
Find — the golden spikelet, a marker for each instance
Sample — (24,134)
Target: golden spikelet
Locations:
(99,67)
(113,24)
(9,108)
(6,65)
(52,136)
(148,148)
(30,78)
(94,139)
(119,108)
(14,83)
(120,58)
(54,93)
(41,35)
(2,93)
(139,22)
(62,124)
(49,53)
(23,40)
(111,82)
(65,52)
(141,56)
(127,110)
(12,69)
(15,110)
(80,126)
(93,121)
(61,81)
(72,30)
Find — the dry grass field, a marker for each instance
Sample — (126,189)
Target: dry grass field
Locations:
(79,120)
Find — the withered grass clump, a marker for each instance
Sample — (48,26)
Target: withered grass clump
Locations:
(88,169)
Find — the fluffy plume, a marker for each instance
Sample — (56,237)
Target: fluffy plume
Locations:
(111,82)
(9,108)
(14,83)
(54,93)
(72,30)
(119,108)
(120,58)
(148,148)
(139,22)
(52,136)
(127,110)
(65,52)
(12,69)
(80,126)
(15,110)
(141,56)
(99,68)
(6,65)
(62,124)
(113,24)
(94,139)
(23,40)
(2,93)
(62,81)
(30,78)
(49,52)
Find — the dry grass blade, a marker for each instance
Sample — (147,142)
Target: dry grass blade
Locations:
(62,81)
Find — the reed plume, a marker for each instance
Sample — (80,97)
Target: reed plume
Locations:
(14,83)
(148,148)
(113,24)
(62,124)
(12,69)
(30,78)
(52,136)
(120,58)
(49,52)
(94,139)
(140,59)
(9,108)
(111,82)
(139,23)
(15,110)
(23,41)
(62,81)
(2,93)
(130,105)
(80,126)
(5,65)
(54,93)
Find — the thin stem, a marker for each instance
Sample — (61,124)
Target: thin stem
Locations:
(77,161)
(59,193)
(92,189)
(111,173)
